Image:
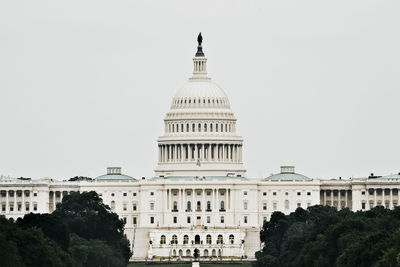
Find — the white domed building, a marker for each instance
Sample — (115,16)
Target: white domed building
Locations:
(199,197)
(200,130)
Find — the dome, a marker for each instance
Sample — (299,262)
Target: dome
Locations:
(287,174)
(201,93)
(114,174)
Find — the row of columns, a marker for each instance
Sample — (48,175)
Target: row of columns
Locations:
(200,127)
(338,198)
(183,198)
(13,194)
(384,196)
(202,152)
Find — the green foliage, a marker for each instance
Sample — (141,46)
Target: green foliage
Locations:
(322,236)
(82,231)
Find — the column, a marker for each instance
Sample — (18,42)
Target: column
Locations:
(180,200)
(217,193)
(209,152)
(169,152)
(331,198)
(228,199)
(383,198)
(8,203)
(165,195)
(23,201)
(324,197)
(196,153)
(193,206)
(169,200)
(391,199)
(203,205)
(30,201)
(213,200)
(183,200)
(202,152)
(339,204)
(54,200)
(223,152)
(189,152)
(231,199)
(346,199)
(374,197)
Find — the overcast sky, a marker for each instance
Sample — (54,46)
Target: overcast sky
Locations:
(86,84)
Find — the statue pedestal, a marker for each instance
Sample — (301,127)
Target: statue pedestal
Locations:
(195,264)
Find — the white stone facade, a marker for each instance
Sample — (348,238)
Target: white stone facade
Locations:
(199,197)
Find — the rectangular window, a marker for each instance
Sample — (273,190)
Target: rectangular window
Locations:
(264,219)
(188,219)
(298,204)
(27,206)
(274,193)
(308,193)
(245,219)
(245,205)
(308,204)
(189,193)
(245,193)
(151,193)
(124,219)
(112,194)
(151,205)
(208,193)
(125,194)
(363,193)
(174,193)
(175,219)
(11,206)
(274,205)
(134,194)
(124,206)
(134,206)
(208,219)
(35,194)
(3,207)
(199,193)
(19,206)
(264,193)
(222,193)
(151,219)
(134,220)
(35,207)
(222,219)
(265,206)
(299,193)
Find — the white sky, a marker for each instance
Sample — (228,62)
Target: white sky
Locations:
(86,84)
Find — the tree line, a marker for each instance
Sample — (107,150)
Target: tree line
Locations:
(82,231)
(323,236)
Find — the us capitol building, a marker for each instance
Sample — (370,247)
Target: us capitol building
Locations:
(200,196)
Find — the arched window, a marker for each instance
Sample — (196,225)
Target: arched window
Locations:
(220,239)
(205,127)
(188,206)
(185,239)
(222,205)
(197,239)
(188,253)
(213,253)
(229,128)
(162,240)
(180,253)
(181,127)
(199,127)
(220,253)
(208,205)
(231,239)
(175,205)
(226,127)
(193,128)
(174,239)
(211,127)
(187,127)
(206,251)
(177,128)
(216,127)
(173,128)
(208,239)
(222,127)
(174,253)
(198,206)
